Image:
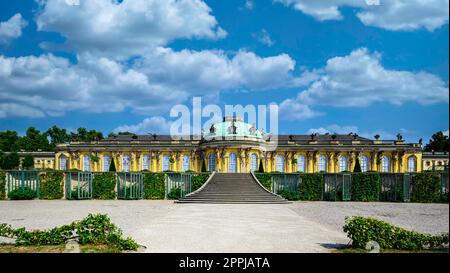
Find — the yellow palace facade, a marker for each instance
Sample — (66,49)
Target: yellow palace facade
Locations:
(233,146)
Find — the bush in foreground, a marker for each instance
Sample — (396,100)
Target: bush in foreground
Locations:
(94,229)
(22,194)
(364,229)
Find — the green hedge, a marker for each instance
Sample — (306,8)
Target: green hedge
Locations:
(365,187)
(311,187)
(265,179)
(22,194)
(51,185)
(198,180)
(154,186)
(103,186)
(290,195)
(426,188)
(361,230)
(2,185)
(94,229)
(174,194)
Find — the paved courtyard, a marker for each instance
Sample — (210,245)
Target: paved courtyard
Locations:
(163,226)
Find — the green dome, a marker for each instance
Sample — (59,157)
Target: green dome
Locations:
(232,128)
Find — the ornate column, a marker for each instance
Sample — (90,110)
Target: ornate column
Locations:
(372,163)
(192,161)
(336,161)
(287,158)
(329,161)
(178,163)
(223,153)
(157,155)
(351,159)
(400,161)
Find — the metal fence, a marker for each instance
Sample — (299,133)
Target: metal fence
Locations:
(181,182)
(394,187)
(130,186)
(78,185)
(22,180)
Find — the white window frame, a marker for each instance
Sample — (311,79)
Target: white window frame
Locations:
(106,162)
(126,164)
(253,162)
(322,164)
(364,163)
(385,164)
(343,163)
(166,163)
(146,162)
(412,164)
(185,163)
(86,163)
(63,166)
(279,163)
(212,162)
(301,163)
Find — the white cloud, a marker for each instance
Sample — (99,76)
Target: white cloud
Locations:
(154,125)
(359,80)
(293,110)
(334,128)
(445,133)
(12,29)
(263,37)
(388,14)
(18,110)
(128,28)
(152,83)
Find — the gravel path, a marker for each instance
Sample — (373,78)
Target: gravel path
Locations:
(163,226)
(429,218)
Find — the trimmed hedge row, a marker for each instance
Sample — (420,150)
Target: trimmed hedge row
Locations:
(311,187)
(51,185)
(426,188)
(265,179)
(154,186)
(365,187)
(198,179)
(2,185)
(103,186)
(362,230)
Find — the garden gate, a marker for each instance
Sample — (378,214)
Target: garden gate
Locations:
(21,180)
(79,185)
(181,182)
(130,186)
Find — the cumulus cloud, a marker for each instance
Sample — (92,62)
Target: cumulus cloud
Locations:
(359,80)
(334,128)
(392,15)
(150,84)
(12,29)
(445,133)
(154,125)
(129,27)
(293,110)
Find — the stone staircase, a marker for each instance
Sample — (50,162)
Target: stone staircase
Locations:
(230,188)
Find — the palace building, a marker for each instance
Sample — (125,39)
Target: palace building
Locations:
(233,146)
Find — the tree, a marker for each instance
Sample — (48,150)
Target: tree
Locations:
(261,167)
(57,135)
(112,165)
(203,166)
(357,168)
(10,161)
(9,141)
(438,143)
(34,140)
(28,162)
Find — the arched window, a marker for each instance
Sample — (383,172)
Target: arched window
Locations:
(412,164)
(212,162)
(322,163)
(106,162)
(185,164)
(232,163)
(126,163)
(343,163)
(301,166)
(63,163)
(166,163)
(86,163)
(364,162)
(280,163)
(146,162)
(253,162)
(385,164)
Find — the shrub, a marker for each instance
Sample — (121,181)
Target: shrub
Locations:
(28,162)
(154,186)
(103,186)
(22,194)
(290,195)
(174,194)
(362,230)
(198,180)
(265,179)
(94,229)
(426,188)
(2,186)
(51,185)
(311,187)
(365,187)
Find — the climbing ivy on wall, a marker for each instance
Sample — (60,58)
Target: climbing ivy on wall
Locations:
(426,188)
(51,185)
(154,186)
(103,186)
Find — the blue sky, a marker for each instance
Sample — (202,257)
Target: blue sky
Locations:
(371,69)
